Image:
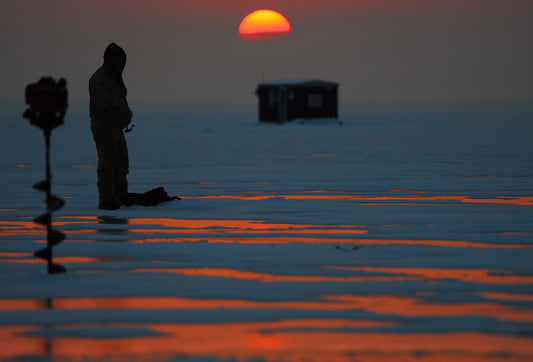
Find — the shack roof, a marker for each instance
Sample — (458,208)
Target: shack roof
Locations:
(298,83)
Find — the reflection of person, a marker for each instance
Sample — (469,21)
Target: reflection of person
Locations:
(110,114)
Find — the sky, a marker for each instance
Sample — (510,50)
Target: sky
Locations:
(190,51)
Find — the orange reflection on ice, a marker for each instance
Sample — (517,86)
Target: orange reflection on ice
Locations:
(13,346)
(380,304)
(239,231)
(508,296)
(88,218)
(8,305)
(20,228)
(326,240)
(16,228)
(269,341)
(266,277)
(10,254)
(235,227)
(235,224)
(239,226)
(413,307)
(466,275)
(159,303)
(59,259)
(506,200)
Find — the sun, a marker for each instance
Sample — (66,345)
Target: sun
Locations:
(264,25)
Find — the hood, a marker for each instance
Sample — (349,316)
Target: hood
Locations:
(111,51)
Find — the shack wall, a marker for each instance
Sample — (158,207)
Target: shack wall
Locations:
(280,103)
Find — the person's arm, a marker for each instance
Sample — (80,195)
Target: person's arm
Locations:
(124,109)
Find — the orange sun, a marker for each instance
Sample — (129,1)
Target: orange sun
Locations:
(264,25)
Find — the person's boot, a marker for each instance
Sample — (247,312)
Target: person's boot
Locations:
(111,204)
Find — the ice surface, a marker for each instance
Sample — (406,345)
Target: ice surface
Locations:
(404,232)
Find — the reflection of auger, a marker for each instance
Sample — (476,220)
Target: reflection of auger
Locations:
(48,104)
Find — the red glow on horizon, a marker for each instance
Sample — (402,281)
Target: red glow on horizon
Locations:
(264,25)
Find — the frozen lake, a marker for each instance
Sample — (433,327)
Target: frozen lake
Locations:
(406,232)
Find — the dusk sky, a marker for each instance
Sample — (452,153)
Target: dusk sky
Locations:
(190,51)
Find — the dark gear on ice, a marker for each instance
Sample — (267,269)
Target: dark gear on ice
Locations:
(110,115)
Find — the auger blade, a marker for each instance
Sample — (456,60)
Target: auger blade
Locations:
(43,253)
(42,185)
(55,203)
(44,219)
(56,268)
(55,237)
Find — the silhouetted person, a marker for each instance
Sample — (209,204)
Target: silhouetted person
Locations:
(110,114)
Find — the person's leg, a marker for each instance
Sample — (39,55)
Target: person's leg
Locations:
(122,165)
(106,140)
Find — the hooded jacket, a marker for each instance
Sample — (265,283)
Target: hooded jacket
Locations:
(107,91)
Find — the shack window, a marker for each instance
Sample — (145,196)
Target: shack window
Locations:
(315,101)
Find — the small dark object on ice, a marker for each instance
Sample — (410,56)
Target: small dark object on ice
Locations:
(149,198)
(338,247)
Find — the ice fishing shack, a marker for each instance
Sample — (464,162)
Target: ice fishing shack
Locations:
(281,101)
